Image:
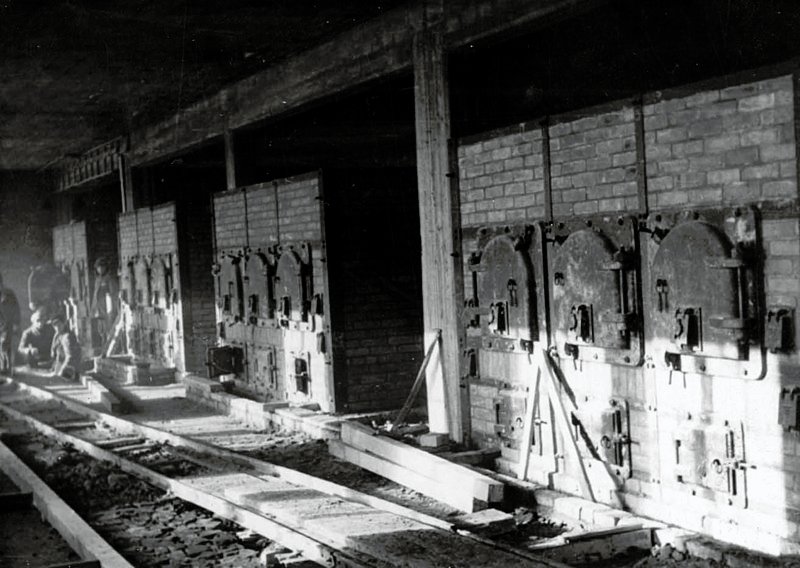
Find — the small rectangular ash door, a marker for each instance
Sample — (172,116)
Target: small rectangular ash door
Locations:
(595,293)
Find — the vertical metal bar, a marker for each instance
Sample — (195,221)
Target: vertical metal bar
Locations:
(548,182)
(641,158)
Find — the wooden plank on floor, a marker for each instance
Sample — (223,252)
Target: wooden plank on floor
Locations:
(119,442)
(263,525)
(74,424)
(564,423)
(503,555)
(72,528)
(446,492)
(426,464)
(262,467)
(78,564)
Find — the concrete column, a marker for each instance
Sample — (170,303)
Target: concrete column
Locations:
(438,210)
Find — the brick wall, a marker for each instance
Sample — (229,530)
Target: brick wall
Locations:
(373,234)
(732,145)
(151,235)
(299,209)
(247,217)
(25,222)
(700,147)
(250,220)
(82,243)
(196,282)
(62,243)
(262,215)
(502,178)
(128,240)
(229,220)
(594,164)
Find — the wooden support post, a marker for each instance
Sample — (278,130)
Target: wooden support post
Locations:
(412,396)
(438,211)
(230,159)
(532,400)
(542,360)
(125,183)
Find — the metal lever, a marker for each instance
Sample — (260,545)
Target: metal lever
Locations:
(662,289)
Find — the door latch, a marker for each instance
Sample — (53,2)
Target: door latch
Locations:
(581,323)
(688,333)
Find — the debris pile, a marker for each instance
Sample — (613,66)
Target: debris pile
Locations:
(147,526)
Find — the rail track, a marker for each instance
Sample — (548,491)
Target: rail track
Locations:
(323,522)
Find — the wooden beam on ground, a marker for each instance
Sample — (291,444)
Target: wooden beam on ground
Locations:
(598,549)
(266,469)
(335,545)
(262,467)
(412,396)
(442,491)
(79,564)
(273,530)
(72,528)
(431,466)
(532,400)
(438,210)
(542,360)
(118,327)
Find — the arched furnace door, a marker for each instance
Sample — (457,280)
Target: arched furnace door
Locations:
(230,288)
(504,292)
(161,289)
(703,294)
(142,283)
(128,283)
(78,288)
(259,288)
(595,290)
(292,287)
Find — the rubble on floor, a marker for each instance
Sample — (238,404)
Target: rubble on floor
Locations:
(147,526)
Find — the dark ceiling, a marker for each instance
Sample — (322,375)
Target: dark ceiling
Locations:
(75,74)
(78,73)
